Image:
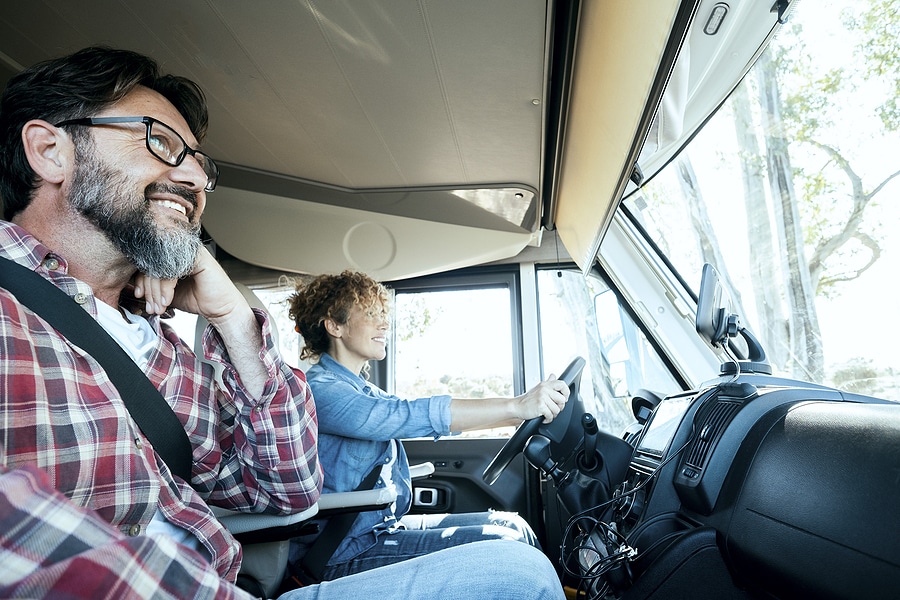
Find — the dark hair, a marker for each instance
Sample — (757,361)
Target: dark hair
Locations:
(76,86)
(331,297)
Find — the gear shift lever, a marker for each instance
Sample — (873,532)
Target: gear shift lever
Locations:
(589,460)
(537,451)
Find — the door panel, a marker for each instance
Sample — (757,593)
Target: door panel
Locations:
(456,485)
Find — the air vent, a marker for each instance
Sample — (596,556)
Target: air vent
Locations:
(709,430)
(702,473)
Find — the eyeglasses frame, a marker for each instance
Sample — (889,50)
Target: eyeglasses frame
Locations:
(149,121)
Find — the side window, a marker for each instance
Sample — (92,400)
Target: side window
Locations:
(289,341)
(275,301)
(456,341)
(581,316)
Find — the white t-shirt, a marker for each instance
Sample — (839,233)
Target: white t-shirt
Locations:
(136,336)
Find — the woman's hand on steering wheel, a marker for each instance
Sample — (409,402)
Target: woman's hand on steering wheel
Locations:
(546,399)
(571,378)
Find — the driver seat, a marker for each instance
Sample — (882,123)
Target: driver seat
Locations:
(266,538)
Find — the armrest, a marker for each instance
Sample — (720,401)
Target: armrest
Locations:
(363,500)
(266,547)
(358,501)
(421,470)
(240,522)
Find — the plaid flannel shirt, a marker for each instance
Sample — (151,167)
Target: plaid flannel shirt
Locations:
(60,412)
(52,549)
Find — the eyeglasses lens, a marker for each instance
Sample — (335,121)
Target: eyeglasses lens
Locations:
(169,147)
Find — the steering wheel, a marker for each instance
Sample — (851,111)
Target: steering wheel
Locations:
(556,430)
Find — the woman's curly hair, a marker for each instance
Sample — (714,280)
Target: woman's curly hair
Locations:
(331,297)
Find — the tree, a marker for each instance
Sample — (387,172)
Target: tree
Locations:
(881,46)
(413,317)
(859,376)
(818,212)
(810,118)
(805,342)
(763,267)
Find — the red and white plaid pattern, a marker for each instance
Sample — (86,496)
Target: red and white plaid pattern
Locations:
(59,412)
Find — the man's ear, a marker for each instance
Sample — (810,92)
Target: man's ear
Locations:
(48,150)
(332,328)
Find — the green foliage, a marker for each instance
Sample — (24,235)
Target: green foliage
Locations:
(413,318)
(457,386)
(833,194)
(881,45)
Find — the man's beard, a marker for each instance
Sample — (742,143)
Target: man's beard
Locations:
(106,199)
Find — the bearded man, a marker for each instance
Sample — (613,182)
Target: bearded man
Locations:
(103,188)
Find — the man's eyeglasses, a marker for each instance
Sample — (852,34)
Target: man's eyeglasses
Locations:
(162,142)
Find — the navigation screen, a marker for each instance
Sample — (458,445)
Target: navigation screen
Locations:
(663,424)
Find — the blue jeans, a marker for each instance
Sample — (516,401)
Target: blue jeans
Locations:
(486,570)
(424,534)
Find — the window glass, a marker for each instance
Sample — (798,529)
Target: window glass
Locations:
(581,316)
(185,325)
(790,193)
(289,341)
(456,342)
(275,301)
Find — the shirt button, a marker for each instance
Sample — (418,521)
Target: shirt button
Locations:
(137,442)
(134,530)
(52,264)
(258,408)
(80,298)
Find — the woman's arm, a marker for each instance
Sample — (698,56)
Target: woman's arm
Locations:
(545,399)
(371,414)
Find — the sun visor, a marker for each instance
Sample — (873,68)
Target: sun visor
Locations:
(619,53)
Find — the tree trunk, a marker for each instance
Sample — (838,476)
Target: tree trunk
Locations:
(803,326)
(773,330)
(710,251)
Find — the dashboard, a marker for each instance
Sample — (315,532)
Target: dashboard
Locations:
(759,486)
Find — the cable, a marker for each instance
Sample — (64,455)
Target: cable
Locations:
(607,558)
(737,363)
(605,562)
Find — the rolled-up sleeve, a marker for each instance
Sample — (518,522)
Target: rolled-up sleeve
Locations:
(369,413)
(268,459)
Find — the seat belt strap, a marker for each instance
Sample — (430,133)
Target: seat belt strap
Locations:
(313,564)
(144,402)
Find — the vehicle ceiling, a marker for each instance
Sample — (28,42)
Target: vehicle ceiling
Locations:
(402,137)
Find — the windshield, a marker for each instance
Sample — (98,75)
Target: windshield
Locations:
(790,192)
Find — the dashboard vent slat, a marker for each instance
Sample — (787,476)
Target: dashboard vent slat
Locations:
(709,431)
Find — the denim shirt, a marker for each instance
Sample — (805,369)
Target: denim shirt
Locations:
(357,423)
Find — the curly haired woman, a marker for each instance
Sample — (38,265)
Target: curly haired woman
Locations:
(344,321)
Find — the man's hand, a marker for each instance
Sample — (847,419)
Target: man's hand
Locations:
(206,291)
(209,292)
